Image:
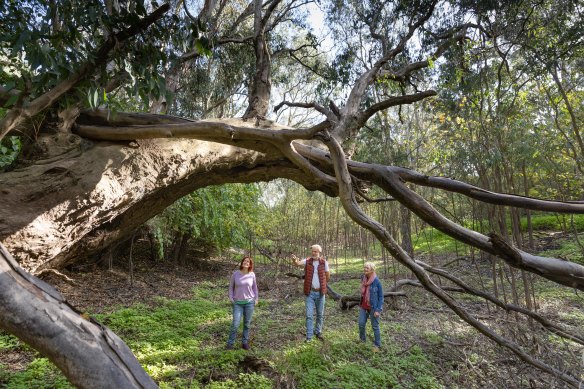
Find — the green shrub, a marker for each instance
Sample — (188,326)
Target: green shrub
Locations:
(9,150)
(9,342)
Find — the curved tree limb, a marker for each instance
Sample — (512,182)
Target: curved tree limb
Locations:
(329,115)
(132,126)
(389,179)
(304,164)
(560,271)
(222,130)
(488,196)
(347,198)
(368,171)
(392,102)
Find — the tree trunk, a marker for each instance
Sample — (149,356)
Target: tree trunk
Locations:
(262,82)
(80,196)
(88,354)
(183,249)
(406,230)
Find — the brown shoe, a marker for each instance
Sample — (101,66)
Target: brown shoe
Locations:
(245,346)
(375,349)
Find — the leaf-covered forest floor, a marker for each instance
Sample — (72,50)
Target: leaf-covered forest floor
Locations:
(176,317)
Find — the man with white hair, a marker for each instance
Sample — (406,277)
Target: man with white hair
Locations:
(316,276)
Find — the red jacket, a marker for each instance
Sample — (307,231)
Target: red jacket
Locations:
(309,271)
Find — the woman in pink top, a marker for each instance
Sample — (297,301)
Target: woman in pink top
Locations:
(243,294)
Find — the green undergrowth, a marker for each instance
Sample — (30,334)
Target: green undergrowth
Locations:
(550,293)
(349,265)
(39,373)
(567,248)
(181,344)
(343,362)
(554,222)
(434,241)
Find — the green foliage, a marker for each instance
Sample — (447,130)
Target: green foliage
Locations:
(244,381)
(40,373)
(39,52)
(96,97)
(554,222)
(9,150)
(432,240)
(346,363)
(217,216)
(9,342)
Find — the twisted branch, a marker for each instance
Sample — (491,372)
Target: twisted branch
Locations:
(350,205)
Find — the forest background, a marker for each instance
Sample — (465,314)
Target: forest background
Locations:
(505,117)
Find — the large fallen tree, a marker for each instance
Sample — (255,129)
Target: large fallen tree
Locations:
(94,181)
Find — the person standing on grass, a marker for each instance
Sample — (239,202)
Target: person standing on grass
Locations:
(316,275)
(371,304)
(243,294)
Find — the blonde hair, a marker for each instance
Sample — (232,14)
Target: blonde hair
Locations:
(370,264)
(316,247)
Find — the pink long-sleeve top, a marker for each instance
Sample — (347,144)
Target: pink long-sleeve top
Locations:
(243,287)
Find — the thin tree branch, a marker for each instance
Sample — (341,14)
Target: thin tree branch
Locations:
(488,196)
(330,116)
(556,329)
(392,102)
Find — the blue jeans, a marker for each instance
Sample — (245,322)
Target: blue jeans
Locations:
(245,310)
(314,300)
(363,316)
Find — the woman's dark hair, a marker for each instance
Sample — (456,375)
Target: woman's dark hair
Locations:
(250,268)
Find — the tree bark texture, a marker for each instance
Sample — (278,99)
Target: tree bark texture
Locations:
(83,196)
(88,354)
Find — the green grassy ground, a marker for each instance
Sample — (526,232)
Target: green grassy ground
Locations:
(181,344)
